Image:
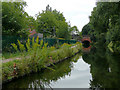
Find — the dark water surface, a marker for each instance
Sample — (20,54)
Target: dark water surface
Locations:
(94,68)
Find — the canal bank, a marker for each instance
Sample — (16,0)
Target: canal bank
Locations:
(70,73)
(19,68)
(94,68)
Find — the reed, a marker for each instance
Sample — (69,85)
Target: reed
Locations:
(37,56)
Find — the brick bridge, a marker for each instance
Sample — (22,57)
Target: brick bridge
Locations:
(86,38)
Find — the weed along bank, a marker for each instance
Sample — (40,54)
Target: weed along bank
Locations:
(37,56)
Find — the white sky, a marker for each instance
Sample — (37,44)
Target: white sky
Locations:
(75,11)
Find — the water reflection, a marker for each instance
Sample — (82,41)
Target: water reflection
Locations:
(43,78)
(75,72)
(72,73)
(104,67)
(86,49)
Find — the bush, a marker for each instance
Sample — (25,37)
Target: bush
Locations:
(39,56)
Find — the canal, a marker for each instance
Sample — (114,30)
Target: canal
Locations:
(95,67)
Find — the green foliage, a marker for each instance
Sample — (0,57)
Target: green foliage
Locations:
(13,18)
(31,23)
(74,30)
(21,46)
(37,59)
(41,43)
(14,46)
(46,23)
(86,29)
(15,24)
(80,34)
(28,44)
(62,30)
(104,24)
(49,75)
(52,24)
(110,45)
(104,67)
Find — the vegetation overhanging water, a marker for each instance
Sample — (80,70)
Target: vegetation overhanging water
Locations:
(102,65)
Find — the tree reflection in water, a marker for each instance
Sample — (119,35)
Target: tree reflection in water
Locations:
(44,78)
(104,67)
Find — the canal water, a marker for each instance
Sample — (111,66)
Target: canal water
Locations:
(95,67)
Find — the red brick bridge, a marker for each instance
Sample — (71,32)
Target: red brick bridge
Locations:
(86,38)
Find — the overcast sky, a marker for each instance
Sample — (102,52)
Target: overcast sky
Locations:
(75,11)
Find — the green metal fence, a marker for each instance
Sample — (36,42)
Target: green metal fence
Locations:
(7,40)
(52,41)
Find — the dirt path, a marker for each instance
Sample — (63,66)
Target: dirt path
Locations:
(10,59)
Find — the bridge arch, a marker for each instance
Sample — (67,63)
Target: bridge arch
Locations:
(86,41)
(86,38)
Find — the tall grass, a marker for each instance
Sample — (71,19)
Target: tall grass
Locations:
(37,56)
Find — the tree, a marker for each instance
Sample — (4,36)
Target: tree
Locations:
(80,34)
(86,29)
(32,24)
(51,22)
(14,23)
(46,22)
(14,18)
(105,20)
(74,30)
(62,30)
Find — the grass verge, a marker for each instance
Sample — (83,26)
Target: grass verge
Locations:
(40,56)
